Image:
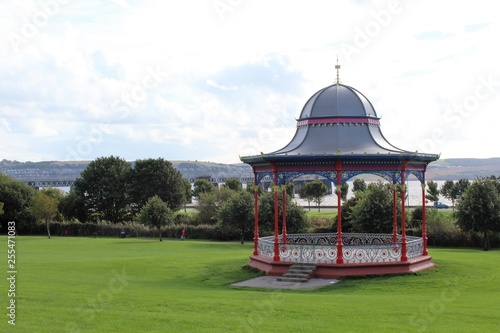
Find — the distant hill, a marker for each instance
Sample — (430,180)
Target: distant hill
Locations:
(453,168)
(457,168)
(70,170)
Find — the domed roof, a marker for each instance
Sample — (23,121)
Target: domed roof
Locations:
(338,122)
(338,100)
(338,119)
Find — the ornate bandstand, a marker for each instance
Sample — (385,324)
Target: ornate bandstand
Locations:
(338,137)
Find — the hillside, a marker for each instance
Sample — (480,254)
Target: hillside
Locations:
(453,168)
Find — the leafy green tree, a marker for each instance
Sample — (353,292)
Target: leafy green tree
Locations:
(188,192)
(347,208)
(207,208)
(305,194)
(17,198)
(358,185)
(45,208)
(251,188)
(202,185)
(233,184)
(156,213)
(460,186)
(72,206)
(1,209)
(454,190)
(317,190)
(237,212)
(290,189)
(448,190)
(152,177)
(479,209)
(58,195)
(344,189)
(373,211)
(432,191)
(103,185)
(296,220)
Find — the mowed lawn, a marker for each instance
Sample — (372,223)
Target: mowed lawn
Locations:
(143,285)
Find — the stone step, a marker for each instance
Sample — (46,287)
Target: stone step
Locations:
(291,279)
(298,273)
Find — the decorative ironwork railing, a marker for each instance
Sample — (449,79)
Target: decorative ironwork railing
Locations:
(357,248)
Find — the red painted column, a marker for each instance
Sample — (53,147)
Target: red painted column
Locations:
(338,185)
(256,219)
(424,221)
(276,217)
(283,230)
(403,215)
(395,215)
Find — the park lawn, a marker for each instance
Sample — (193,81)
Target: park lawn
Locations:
(143,285)
(328,213)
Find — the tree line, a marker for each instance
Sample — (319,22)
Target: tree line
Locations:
(150,191)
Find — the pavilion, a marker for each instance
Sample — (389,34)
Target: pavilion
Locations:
(338,137)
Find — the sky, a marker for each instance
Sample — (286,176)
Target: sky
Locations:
(212,80)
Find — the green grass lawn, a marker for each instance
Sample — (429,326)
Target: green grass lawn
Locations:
(143,285)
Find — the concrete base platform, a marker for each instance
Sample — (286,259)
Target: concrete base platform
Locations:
(336,271)
(271,282)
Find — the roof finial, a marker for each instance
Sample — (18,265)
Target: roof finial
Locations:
(337,67)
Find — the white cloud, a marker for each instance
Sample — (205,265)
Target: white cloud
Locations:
(184,79)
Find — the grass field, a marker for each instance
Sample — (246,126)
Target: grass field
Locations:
(143,285)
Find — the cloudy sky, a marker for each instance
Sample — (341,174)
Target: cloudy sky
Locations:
(210,80)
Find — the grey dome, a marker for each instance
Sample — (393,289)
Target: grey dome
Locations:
(338,119)
(338,100)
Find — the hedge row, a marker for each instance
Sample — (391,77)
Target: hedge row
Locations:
(134,230)
(439,234)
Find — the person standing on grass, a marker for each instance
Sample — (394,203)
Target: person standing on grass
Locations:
(183,234)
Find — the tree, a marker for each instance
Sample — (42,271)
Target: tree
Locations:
(296,220)
(1,209)
(152,177)
(358,185)
(188,192)
(57,194)
(344,189)
(432,191)
(305,194)
(103,186)
(207,208)
(251,188)
(45,208)
(17,199)
(373,211)
(317,190)
(448,190)
(202,185)
(72,206)
(233,184)
(479,209)
(460,186)
(237,212)
(156,213)
(454,190)
(290,189)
